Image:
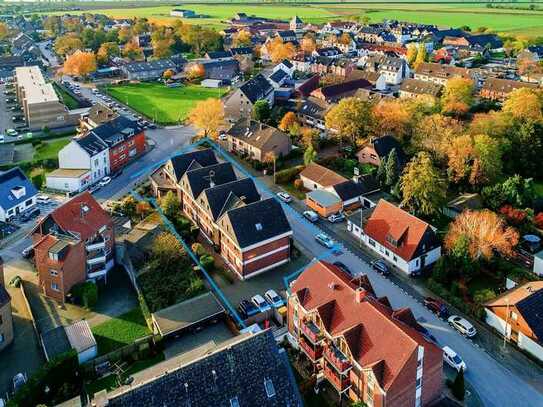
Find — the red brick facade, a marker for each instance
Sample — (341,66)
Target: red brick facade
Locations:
(124,152)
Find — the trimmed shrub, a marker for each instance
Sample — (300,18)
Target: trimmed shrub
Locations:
(298,184)
(287,175)
(208,262)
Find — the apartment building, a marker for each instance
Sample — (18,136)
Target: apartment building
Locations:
(366,350)
(39,101)
(73,243)
(439,73)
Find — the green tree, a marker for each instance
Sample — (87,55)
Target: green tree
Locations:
(458,387)
(391,168)
(423,188)
(170,205)
(309,155)
(351,118)
(261,111)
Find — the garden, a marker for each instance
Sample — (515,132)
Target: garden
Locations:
(160,103)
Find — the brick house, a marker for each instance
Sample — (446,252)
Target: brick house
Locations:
(6,318)
(334,93)
(440,74)
(73,243)
(240,103)
(366,350)
(404,240)
(378,149)
(518,314)
(416,88)
(499,89)
(315,176)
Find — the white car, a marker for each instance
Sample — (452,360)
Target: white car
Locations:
(311,216)
(43,199)
(462,325)
(260,303)
(223,137)
(453,360)
(104,181)
(324,240)
(18,381)
(283,196)
(273,298)
(336,217)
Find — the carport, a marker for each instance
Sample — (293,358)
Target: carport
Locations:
(187,315)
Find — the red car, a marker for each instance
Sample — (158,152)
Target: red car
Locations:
(436,306)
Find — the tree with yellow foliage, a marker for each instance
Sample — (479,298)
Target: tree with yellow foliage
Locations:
(80,64)
(195,72)
(411,54)
(524,103)
(308,44)
(457,96)
(162,48)
(242,39)
(288,120)
(421,56)
(393,117)
(133,51)
(3,31)
(278,50)
(208,117)
(106,51)
(486,234)
(67,44)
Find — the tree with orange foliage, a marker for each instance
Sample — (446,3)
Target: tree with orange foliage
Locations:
(80,64)
(393,117)
(133,52)
(434,133)
(485,232)
(195,72)
(308,45)
(242,38)
(162,48)
(288,121)
(168,73)
(106,51)
(208,117)
(3,31)
(278,50)
(345,39)
(524,103)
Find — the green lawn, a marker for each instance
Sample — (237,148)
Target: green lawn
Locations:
(120,331)
(475,15)
(66,98)
(50,149)
(160,103)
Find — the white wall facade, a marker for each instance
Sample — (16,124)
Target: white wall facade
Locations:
(73,157)
(68,184)
(538,264)
(8,213)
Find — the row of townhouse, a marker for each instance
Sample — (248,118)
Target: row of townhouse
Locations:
(72,244)
(96,153)
(252,234)
(366,350)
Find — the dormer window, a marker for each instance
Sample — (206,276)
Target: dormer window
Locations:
(18,191)
(392,241)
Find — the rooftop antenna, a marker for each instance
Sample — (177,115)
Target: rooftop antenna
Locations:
(209,177)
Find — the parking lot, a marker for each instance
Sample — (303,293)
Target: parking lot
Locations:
(6,113)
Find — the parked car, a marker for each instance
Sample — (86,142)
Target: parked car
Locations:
(453,360)
(104,181)
(116,174)
(94,188)
(343,268)
(18,381)
(324,240)
(28,252)
(260,303)
(12,132)
(31,214)
(437,307)
(247,308)
(273,299)
(283,196)
(462,325)
(2,138)
(311,216)
(43,199)
(336,217)
(381,267)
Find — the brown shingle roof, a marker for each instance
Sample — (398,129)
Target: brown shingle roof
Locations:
(442,71)
(376,337)
(505,85)
(421,87)
(322,175)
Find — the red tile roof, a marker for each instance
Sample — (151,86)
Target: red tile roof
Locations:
(377,336)
(409,231)
(72,216)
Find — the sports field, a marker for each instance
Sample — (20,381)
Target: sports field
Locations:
(513,21)
(162,104)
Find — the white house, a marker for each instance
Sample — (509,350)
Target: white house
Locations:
(82,340)
(286,66)
(402,239)
(68,180)
(538,263)
(86,153)
(17,194)
(395,70)
(516,314)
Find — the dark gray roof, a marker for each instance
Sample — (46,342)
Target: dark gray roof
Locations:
(218,54)
(286,34)
(218,196)
(482,40)
(241,51)
(13,181)
(287,63)
(258,221)
(227,69)
(384,145)
(55,342)
(4,295)
(314,107)
(329,51)
(349,189)
(91,143)
(256,88)
(531,309)
(238,371)
(158,65)
(117,130)
(182,162)
(278,76)
(201,178)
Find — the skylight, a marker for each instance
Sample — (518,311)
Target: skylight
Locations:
(258,226)
(234,402)
(270,390)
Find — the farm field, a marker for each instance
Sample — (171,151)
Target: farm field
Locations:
(160,103)
(515,21)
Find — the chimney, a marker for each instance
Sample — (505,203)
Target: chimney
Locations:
(332,286)
(2,282)
(359,295)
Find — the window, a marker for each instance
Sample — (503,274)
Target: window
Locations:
(270,390)
(369,390)
(53,273)
(371,242)
(419,382)
(28,202)
(234,402)
(1,338)
(54,286)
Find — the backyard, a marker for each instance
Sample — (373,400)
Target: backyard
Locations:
(162,104)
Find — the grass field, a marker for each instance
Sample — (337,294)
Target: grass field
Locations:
(120,331)
(50,149)
(66,98)
(514,21)
(160,103)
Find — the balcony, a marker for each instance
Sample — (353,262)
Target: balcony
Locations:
(97,274)
(313,352)
(96,260)
(96,246)
(340,383)
(336,358)
(312,331)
